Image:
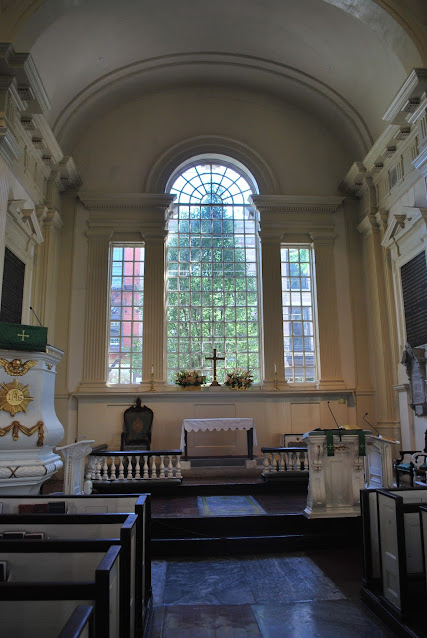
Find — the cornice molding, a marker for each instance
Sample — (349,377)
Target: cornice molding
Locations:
(408,98)
(102,200)
(30,86)
(296,203)
(400,226)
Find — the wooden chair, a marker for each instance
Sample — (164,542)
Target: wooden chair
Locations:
(137,427)
(408,466)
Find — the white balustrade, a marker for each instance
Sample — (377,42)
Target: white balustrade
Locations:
(278,461)
(162,467)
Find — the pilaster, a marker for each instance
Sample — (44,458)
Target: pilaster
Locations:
(272,310)
(327,309)
(95,335)
(4,191)
(154,305)
(381,357)
(46,271)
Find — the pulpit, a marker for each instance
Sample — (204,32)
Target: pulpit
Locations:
(379,462)
(29,427)
(336,472)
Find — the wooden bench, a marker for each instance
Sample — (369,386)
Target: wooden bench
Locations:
(79,625)
(111,503)
(45,587)
(392,547)
(117,529)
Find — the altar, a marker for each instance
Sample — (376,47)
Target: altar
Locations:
(205,425)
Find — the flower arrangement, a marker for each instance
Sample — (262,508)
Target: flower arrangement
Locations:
(189,377)
(239,378)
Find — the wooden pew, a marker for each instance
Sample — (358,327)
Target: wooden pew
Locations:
(139,504)
(400,549)
(117,529)
(79,625)
(46,586)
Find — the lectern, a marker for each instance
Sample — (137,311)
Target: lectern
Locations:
(336,472)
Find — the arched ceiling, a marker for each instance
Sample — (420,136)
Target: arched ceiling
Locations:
(341,60)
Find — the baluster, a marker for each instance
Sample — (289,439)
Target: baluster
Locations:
(137,469)
(266,463)
(298,461)
(282,462)
(170,467)
(121,469)
(153,467)
(105,470)
(162,466)
(286,456)
(98,470)
(146,475)
(129,476)
(306,461)
(276,461)
(113,469)
(88,485)
(178,466)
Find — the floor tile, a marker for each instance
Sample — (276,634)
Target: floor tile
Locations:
(285,579)
(200,621)
(327,619)
(158,578)
(213,582)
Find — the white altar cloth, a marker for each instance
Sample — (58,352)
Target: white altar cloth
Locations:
(202,425)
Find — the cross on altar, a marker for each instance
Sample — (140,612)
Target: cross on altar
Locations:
(215,359)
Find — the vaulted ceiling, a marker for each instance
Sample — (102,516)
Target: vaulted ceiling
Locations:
(342,60)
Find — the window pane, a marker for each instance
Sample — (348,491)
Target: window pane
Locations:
(221,263)
(298,325)
(126,314)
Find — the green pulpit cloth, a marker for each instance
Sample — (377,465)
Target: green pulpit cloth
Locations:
(17,336)
(330,440)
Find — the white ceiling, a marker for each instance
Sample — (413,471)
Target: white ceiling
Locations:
(343,60)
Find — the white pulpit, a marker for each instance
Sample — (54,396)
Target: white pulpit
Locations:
(379,462)
(29,427)
(336,473)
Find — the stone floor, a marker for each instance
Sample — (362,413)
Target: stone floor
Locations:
(315,594)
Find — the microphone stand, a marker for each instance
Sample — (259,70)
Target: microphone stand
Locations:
(371,426)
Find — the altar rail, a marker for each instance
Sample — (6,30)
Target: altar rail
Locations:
(282,461)
(139,465)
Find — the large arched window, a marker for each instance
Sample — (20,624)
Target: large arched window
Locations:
(213,271)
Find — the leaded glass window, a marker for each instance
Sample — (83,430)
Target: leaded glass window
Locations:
(298,313)
(212,283)
(126,313)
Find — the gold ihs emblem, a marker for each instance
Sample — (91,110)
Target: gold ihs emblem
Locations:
(14,397)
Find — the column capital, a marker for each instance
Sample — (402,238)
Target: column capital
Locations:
(326,237)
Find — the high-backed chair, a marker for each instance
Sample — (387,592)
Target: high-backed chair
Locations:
(408,467)
(137,427)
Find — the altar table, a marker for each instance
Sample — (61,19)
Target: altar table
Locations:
(203,425)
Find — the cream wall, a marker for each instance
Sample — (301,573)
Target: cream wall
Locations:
(118,150)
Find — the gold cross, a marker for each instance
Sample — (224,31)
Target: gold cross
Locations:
(23,335)
(215,359)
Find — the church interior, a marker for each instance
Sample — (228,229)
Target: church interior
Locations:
(218,211)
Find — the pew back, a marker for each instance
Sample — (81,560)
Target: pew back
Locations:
(399,543)
(79,624)
(97,504)
(46,603)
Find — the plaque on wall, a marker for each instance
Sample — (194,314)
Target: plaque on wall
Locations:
(414,287)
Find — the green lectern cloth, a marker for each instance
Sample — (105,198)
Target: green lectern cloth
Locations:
(17,336)
(330,440)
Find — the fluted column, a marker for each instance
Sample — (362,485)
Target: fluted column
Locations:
(154,310)
(46,270)
(272,310)
(381,348)
(4,190)
(327,309)
(94,356)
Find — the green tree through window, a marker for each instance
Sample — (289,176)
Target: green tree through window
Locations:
(212,279)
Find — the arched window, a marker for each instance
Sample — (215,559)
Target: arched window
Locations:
(213,271)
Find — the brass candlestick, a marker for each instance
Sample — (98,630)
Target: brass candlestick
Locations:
(276,386)
(152,388)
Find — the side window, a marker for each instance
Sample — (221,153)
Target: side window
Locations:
(126,313)
(298,302)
